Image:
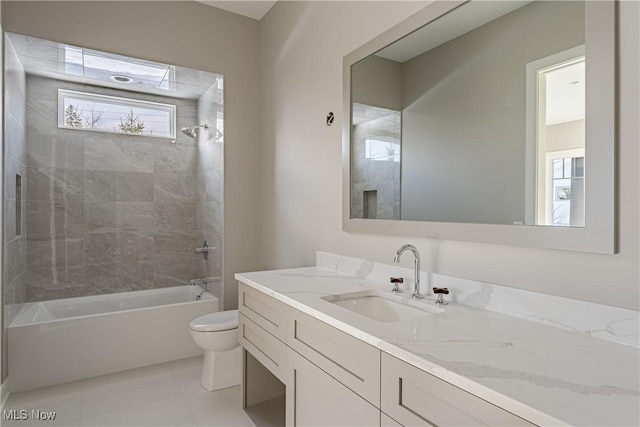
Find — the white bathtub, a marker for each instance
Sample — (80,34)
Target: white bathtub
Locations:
(53,342)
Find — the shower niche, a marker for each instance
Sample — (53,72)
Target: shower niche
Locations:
(120,166)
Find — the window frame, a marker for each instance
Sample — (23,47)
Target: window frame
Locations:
(117,100)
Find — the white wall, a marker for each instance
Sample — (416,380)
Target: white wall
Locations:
(463,122)
(192,35)
(301,50)
(378,81)
(565,136)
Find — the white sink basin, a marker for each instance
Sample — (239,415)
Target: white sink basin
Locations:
(381,306)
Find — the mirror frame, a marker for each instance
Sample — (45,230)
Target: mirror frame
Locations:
(599,233)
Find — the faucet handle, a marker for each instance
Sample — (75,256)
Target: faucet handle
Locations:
(395,281)
(440,292)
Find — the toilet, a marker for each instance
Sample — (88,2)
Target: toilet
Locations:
(217,335)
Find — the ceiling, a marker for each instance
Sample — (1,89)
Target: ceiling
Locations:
(71,63)
(251,9)
(565,93)
(450,26)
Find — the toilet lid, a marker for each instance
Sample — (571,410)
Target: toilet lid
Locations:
(219,321)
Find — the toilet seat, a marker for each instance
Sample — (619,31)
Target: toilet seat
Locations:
(215,322)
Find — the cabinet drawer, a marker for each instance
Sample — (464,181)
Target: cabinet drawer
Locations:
(267,312)
(414,397)
(263,346)
(314,398)
(349,360)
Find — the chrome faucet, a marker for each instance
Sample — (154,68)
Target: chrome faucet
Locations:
(416,291)
(198,281)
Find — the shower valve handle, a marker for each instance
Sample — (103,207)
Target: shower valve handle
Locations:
(203,250)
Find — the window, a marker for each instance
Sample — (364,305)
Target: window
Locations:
(565,190)
(101,113)
(382,149)
(109,66)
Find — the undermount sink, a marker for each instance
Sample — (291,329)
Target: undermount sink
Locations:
(381,306)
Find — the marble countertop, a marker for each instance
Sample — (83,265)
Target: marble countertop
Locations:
(545,375)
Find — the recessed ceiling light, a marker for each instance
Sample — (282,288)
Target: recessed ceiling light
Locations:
(575,82)
(121,78)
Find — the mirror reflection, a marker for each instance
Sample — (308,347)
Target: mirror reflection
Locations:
(478,117)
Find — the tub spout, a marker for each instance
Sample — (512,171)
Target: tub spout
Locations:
(198,281)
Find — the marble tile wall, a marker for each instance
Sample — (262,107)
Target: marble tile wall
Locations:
(209,221)
(375,175)
(109,212)
(14,280)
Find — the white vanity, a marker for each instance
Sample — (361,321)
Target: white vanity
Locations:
(456,366)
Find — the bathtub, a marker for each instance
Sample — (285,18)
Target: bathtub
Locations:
(53,342)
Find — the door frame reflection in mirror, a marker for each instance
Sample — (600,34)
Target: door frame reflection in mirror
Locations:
(598,234)
(536,174)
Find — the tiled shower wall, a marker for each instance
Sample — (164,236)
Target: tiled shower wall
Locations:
(109,212)
(380,176)
(14,280)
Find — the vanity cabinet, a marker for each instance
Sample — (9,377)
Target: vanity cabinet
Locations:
(261,332)
(332,378)
(414,397)
(316,398)
(266,348)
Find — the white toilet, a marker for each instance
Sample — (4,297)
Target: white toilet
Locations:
(217,335)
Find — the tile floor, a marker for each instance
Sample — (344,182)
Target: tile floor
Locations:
(168,394)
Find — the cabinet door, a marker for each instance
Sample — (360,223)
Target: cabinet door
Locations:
(417,398)
(314,398)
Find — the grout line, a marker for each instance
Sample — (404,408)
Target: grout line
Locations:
(179,393)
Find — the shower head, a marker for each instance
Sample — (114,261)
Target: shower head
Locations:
(190,131)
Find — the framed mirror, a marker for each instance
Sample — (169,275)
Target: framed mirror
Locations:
(487,121)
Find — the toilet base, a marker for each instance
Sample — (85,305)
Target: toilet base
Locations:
(221,369)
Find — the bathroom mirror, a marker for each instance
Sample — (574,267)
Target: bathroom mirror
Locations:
(485,121)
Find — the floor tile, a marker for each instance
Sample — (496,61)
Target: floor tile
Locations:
(189,378)
(147,414)
(167,394)
(64,413)
(202,400)
(224,416)
(132,395)
(120,380)
(187,421)
(45,395)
